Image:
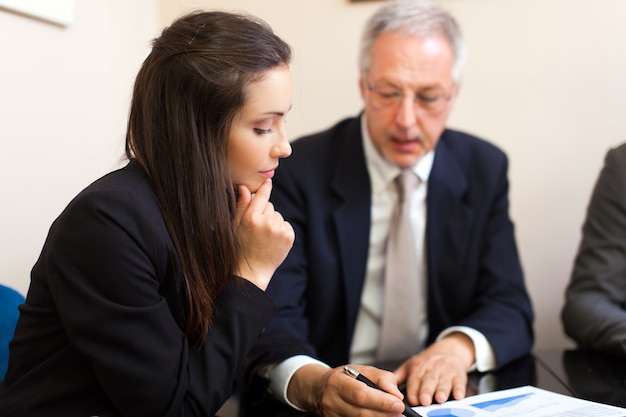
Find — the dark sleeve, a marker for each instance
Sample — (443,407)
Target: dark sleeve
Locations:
(475,274)
(593,314)
(504,310)
(112,254)
(497,303)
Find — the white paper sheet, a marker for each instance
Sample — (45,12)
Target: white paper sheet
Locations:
(524,401)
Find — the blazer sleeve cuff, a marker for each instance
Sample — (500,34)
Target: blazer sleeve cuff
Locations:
(485,355)
(280,376)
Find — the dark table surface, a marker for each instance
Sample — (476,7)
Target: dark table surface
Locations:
(583,374)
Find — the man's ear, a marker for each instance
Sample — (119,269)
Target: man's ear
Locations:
(362,86)
(457,89)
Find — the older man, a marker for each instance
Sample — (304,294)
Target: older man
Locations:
(455,300)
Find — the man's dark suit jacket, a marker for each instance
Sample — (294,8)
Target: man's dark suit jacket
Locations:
(474,273)
(100,332)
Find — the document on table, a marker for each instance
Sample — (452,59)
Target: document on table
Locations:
(524,401)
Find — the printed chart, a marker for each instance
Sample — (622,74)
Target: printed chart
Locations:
(521,402)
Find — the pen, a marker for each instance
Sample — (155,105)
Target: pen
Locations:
(408,411)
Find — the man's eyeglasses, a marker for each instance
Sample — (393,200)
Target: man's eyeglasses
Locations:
(389,97)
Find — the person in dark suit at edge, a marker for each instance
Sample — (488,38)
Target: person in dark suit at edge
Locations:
(473,310)
(150,286)
(594,314)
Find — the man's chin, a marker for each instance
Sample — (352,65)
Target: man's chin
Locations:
(404,160)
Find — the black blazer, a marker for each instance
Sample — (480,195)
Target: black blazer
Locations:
(474,273)
(100,332)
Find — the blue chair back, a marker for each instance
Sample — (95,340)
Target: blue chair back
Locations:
(9,300)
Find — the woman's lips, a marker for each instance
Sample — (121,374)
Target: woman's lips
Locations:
(268,174)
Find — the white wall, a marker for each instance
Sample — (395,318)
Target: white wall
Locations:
(64,95)
(544,81)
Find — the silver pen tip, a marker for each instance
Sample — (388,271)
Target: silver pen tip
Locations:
(351,371)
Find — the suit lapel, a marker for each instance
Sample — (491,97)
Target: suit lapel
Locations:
(449,216)
(351,184)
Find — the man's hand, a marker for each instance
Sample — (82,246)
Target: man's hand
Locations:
(333,393)
(438,371)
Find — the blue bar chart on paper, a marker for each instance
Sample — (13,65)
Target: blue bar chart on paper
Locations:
(523,401)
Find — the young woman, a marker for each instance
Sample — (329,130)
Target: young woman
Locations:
(150,286)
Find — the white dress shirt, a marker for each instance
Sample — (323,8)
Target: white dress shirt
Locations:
(367,328)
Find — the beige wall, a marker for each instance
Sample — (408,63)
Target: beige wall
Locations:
(64,94)
(544,81)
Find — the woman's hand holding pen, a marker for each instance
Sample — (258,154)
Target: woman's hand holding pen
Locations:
(265,238)
(337,394)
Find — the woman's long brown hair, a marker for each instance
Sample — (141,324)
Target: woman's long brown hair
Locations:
(185,97)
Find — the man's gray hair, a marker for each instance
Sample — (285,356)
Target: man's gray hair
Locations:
(421,18)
